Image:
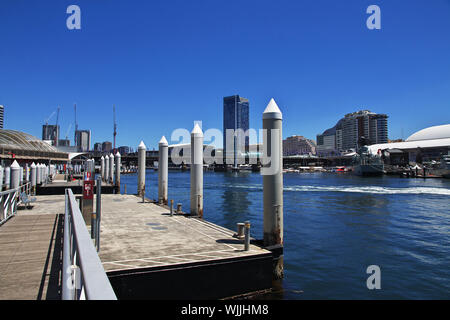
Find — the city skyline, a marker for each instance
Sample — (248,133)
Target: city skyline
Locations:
(151,62)
(95,141)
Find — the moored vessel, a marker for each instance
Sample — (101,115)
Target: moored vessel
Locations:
(365,163)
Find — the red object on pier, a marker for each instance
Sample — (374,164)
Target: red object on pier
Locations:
(88,189)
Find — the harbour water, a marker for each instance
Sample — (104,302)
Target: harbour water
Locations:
(335,226)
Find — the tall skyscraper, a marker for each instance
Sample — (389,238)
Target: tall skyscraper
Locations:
(2,116)
(235,117)
(50,132)
(83,139)
(347,132)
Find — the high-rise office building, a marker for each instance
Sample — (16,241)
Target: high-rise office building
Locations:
(235,117)
(124,150)
(50,132)
(107,146)
(347,132)
(64,143)
(98,146)
(2,116)
(83,140)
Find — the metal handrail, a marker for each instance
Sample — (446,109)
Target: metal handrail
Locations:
(83,276)
(10,199)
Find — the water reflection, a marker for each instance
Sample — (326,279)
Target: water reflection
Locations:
(235,201)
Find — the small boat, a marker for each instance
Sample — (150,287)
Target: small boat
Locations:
(443,169)
(245,167)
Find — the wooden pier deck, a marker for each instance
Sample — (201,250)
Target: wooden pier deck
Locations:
(146,253)
(30,251)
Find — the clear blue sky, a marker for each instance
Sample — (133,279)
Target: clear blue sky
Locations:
(167,63)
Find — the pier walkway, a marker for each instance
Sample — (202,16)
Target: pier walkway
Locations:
(137,235)
(149,254)
(146,253)
(31,251)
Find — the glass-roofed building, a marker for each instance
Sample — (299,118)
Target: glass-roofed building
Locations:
(20,145)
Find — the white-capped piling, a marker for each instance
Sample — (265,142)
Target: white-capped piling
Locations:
(87,167)
(197,171)
(102,167)
(15,175)
(163,170)
(272,172)
(41,173)
(118,166)
(27,172)
(33,174)
(21,176)
(44,173)
(141,168)
(38,174)
(1,178)
(91,168)
(111,168)
(7,177)
(107,168)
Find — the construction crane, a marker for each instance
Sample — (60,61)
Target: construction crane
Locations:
(115,128)
(56,128)
(48,119)
(76,124)
(67,132)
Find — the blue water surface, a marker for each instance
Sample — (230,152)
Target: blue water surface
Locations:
(335,226)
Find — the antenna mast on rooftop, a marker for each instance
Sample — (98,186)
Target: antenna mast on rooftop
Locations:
(76,124)
(56,128)
(115,129)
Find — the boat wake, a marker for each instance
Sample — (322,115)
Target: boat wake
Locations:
(372,189)
(357,189)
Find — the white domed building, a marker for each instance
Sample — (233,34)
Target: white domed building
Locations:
(433,142)
(431,133)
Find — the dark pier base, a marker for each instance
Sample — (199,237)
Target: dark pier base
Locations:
(202,280)
(59,188)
